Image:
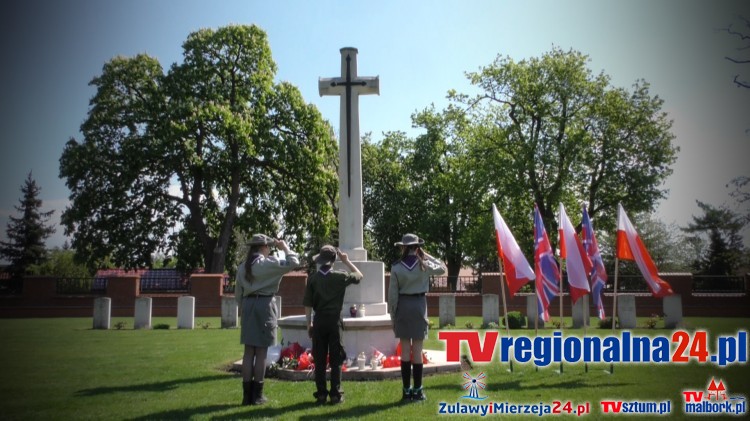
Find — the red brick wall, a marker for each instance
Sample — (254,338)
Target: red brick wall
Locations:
(39,299)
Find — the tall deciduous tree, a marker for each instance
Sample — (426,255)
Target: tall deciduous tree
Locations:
(564,134)
(175,162)
(426,185)
(542,130)
(27,232)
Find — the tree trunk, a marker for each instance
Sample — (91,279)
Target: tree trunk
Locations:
(454,267)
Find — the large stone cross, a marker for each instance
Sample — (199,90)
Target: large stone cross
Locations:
(348,87)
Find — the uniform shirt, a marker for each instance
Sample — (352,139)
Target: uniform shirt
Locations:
(325,290)
(267,273)
(407,277)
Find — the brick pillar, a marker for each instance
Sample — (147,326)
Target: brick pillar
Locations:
(491,284)
(207,290)
(123,290)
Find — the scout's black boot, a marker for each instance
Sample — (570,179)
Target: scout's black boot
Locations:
(417,393)
(257,396)
(406,380)
(247,393)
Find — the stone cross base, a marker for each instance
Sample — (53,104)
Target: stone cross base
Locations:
(370,291)
(360,334)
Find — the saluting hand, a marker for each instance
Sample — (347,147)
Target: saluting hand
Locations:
(281,244)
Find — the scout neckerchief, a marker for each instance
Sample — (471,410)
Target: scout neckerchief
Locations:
(410,261)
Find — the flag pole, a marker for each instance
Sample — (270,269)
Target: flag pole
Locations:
(614,310)
(586,320)
(562,323)
(505,306)
(536,318)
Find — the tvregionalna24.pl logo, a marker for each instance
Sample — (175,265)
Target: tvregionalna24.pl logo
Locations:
(714,400)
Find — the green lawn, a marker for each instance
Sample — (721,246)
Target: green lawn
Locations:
(62,369)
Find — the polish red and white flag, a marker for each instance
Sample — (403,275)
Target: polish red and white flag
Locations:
(631,247)
(518,271)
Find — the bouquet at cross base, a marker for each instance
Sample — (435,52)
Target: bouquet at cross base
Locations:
(294,357)
(377,356)
(305,361)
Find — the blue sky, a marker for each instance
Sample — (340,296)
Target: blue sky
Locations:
(420,50)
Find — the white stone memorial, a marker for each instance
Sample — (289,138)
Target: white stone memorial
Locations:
(626,311)
(277,304)
(142,313)
(581,315)
(373,330)
(447,309)
(229,312)
(102,312)
(186,312)
(490,309)
(531,312)
(672,307)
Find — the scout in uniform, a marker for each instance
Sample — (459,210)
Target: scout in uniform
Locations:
(407,305)
(258,279)
(324,295)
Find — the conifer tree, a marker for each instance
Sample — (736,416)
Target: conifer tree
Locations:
(26,233)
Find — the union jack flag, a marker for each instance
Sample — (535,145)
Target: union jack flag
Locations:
(545,268)
(598,274)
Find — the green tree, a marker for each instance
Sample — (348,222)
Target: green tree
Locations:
(175,162)
(427,185)
(27,232)
(542,130)
(62,264)
(725,249)
(552,132)
(385,187)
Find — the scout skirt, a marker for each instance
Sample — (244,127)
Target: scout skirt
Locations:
(411,317)
(259,321)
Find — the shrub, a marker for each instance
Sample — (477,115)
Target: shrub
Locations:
(607,323)
(448,326)
(490,325)
(516,320)
(469,325)
(652,321)
(161,326)
(120,325)
(204,325)
(557,323)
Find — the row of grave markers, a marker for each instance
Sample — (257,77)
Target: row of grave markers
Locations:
(672,310)
(672,306)
(185,312)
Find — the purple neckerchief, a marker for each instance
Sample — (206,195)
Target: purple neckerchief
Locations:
(410,261)
(325,270)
